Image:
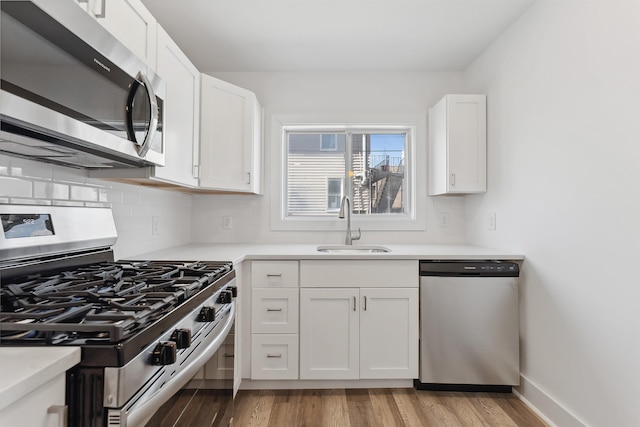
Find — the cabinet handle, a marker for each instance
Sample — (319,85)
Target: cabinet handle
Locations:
(274,275)
(274,309)
(354,303)
(248,177)
(228,355)
(275,356)
(365,303)
(453,179)
(61,411)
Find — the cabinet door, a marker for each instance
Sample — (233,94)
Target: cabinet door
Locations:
(329,328)
(40,408)
(467,143)
(182,115)
(389,333)
(230,137)
(131,23)
(457,145)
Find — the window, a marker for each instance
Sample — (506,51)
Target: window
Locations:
(368,165)
(328,142)
(334,194)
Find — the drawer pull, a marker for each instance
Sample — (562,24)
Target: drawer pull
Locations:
(274,356)
(274,309)
(274,275)
(228,355)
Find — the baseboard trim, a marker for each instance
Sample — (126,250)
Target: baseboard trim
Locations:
(551,412)
(248,384)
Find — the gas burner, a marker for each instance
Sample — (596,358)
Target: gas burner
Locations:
(104,301)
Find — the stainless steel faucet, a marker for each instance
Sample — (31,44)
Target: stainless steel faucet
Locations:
(349,238)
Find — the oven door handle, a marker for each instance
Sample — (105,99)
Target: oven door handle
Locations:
(140,415)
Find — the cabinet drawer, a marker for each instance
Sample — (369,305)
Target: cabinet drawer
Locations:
(268,274)
(359,273)
(274,357)
(274,310)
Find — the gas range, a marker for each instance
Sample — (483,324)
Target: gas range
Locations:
(144,327)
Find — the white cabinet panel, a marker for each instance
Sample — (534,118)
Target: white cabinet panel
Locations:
(38,408)
(354,333)
(329,330)
(131,23)
(358,273)
(274,356)
(274,274)
(393,314)
(230,138)
(458,145)
(274,310)
(182,115)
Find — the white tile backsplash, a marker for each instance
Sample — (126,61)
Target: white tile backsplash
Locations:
(15,187)
(133,206)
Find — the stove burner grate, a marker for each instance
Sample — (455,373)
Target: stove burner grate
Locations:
(109,300)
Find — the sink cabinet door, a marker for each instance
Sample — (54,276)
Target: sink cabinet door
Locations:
(389,333)
(329,333)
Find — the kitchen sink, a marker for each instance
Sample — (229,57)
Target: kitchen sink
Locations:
(356,249)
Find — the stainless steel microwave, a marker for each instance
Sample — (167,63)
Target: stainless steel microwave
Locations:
(72,94)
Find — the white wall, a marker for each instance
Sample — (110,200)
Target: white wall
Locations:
(339,94)
(28,182)
(563,86)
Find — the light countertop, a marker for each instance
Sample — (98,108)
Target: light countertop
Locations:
(237,252)
(24,369)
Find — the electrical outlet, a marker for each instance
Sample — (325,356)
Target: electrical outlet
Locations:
(443,219)
(155,225)
(227,223)
(492,221)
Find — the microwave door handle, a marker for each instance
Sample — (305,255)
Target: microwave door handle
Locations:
(143,147)
(153,123)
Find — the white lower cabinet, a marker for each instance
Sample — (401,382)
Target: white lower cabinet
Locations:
(358,333)
(274,310)
(329,329)
(43,407)
(274,320)
(274,356)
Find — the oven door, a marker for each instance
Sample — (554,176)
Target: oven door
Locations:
(68,83)
(176,397)
(207,400)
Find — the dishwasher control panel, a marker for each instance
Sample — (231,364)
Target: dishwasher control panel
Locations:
(470,268)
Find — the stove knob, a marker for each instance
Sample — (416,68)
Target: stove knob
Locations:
(225,297)
(164,353)
(207,314)
(234,290)
(182,338)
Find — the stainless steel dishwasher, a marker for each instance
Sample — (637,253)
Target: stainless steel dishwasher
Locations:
(469,328)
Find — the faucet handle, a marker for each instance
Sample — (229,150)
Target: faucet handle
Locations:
(358,236)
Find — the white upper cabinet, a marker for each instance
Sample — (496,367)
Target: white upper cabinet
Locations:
(182,116)
(230,138)
(130,22)
(458,145)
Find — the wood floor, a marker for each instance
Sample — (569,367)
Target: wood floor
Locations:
(379,407)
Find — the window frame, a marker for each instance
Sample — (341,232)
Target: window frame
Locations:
(412,219)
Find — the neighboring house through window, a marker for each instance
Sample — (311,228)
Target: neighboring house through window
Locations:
(368,165)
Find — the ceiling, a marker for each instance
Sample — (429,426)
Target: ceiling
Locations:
(334,35)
